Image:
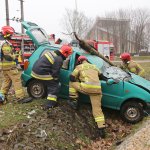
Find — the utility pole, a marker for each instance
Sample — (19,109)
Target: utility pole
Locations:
(76,5)
(7,12)
(22,14)
(22,29)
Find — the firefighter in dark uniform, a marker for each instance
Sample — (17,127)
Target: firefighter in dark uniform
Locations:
(9,68)
(47,69)
(85,79)
(130,65)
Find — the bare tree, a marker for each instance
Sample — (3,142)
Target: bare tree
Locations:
(129,29)
(119,25)
(74,21)
(147,37)
(140,19)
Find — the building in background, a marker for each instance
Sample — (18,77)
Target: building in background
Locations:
(112,30)
(117,31)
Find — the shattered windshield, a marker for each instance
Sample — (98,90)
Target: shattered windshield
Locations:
(115,72)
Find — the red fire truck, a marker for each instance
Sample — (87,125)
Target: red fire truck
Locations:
(24,46)
(104,47)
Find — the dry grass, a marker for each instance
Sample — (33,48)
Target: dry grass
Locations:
(146,66)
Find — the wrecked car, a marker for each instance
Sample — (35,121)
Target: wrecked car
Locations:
(127,92)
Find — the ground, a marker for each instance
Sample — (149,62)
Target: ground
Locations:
(60,128)
(29,127)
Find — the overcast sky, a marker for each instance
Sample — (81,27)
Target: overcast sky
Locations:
(48,13)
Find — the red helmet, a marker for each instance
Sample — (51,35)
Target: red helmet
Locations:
(125,56)
(66,50)
(81,58)
(7,31)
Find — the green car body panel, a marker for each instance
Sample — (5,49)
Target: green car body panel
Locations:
(128,86)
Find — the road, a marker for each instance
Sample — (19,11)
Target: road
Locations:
(138,61)
(139,140)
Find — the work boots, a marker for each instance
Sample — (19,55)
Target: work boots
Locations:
(73,103)
(50,104)
(25,100)
(101,132)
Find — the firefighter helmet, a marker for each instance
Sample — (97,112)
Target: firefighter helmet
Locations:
(125,56)
(7,31)
(66,50)
(82,58)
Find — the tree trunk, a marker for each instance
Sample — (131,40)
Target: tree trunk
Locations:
(84,45)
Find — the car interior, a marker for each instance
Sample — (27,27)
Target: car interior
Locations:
(67,61)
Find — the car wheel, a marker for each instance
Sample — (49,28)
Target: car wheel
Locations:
(36,89)
(132,112)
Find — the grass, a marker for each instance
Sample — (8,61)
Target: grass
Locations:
(12,114)
(84,138)
(146,67)
(141,58)
(54,136)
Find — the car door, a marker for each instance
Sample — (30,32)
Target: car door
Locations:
(66,70)
(113,93)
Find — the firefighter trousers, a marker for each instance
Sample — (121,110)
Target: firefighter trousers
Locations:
(74,88)
(52,89)
(12,77)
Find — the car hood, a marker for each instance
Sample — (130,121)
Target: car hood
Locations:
(141,82)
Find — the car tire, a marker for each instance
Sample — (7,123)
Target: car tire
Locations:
(36,89)
(132,112)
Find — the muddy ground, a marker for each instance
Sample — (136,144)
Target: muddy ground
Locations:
(63,128)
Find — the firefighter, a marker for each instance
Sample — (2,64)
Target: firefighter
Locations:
(85,79)
(8,67)
(47,69)
(130,65)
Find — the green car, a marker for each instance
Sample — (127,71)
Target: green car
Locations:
(126,92)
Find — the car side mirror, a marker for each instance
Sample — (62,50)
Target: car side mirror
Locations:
(112,81)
